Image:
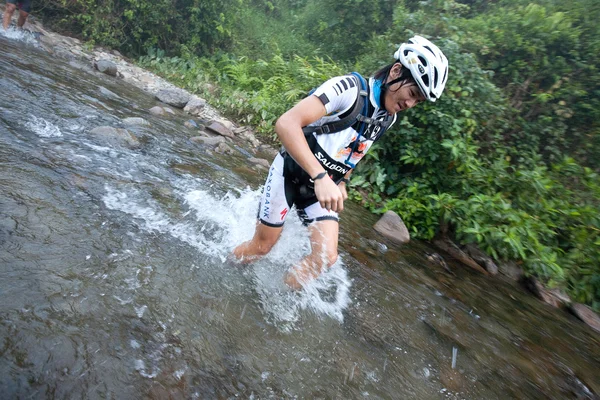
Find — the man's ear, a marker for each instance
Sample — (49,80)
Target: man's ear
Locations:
(396,70)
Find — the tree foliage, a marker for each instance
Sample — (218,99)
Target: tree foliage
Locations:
(134,25)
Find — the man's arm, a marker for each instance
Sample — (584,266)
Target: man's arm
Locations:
(289,129)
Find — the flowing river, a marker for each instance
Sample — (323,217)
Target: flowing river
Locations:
(114,281)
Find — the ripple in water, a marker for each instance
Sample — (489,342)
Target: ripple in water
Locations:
(215,225)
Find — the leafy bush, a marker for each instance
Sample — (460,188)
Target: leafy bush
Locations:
(253,92)
(134,25)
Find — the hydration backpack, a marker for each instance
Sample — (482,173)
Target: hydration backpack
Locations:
(359,113)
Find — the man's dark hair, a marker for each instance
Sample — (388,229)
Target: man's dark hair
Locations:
(405,75)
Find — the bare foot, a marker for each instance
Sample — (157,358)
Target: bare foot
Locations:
(298,276)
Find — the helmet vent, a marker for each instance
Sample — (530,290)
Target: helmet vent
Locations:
(423,60)
(435,77)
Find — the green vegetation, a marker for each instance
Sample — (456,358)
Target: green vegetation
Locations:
(506,159)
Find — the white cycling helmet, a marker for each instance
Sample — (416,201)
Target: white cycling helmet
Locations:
(427,63)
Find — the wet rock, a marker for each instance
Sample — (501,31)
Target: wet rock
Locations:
(226,123)
(107,93)
(377,246)
(587,315)
(190,123)
(449,247)
(173,97)
(481,258)
(116,136)
(195,106)
(223,148)
(169,110)
(220,129)
(157,111)
(392,227)
(268,150)
(107,67)
(210,140)
(248,136)
(133,121)
(511,270)
(554,297)
(260,161)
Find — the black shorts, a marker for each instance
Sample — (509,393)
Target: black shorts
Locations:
(24,5)
(279,195)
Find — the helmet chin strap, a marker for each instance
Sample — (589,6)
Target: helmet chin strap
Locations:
(385,86)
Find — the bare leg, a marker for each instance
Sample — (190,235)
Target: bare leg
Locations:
(8,12)
(22,18)
(263,241)
(324,244)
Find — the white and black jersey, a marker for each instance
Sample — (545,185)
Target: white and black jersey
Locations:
(337,151)
(288,184)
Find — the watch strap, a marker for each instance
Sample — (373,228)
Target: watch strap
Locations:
(320,176)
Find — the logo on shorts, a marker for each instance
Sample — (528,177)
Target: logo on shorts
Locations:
(283,213)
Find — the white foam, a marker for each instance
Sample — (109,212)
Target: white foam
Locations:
(140,310)
(19,35)
(215,224)
(42,128)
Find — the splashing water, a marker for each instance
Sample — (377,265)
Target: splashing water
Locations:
(214,225)
(20,35)
(42,128)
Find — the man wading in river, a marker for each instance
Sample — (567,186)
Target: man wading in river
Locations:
(323,138)
(24,10)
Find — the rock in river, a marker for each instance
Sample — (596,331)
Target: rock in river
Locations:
(116,136)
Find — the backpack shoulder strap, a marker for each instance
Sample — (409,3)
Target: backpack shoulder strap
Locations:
(360,108)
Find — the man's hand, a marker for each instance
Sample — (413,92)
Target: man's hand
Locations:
(342,186)
(329,194)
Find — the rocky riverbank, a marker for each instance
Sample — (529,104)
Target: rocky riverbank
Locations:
(211,129)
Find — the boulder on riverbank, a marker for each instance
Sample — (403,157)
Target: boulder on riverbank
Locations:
(174,97)
(392,227)
(220,129)
(195,106)
(107,67)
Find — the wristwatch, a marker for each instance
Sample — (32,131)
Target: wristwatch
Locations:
(320,176)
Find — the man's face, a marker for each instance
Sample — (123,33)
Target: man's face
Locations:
(401,95)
